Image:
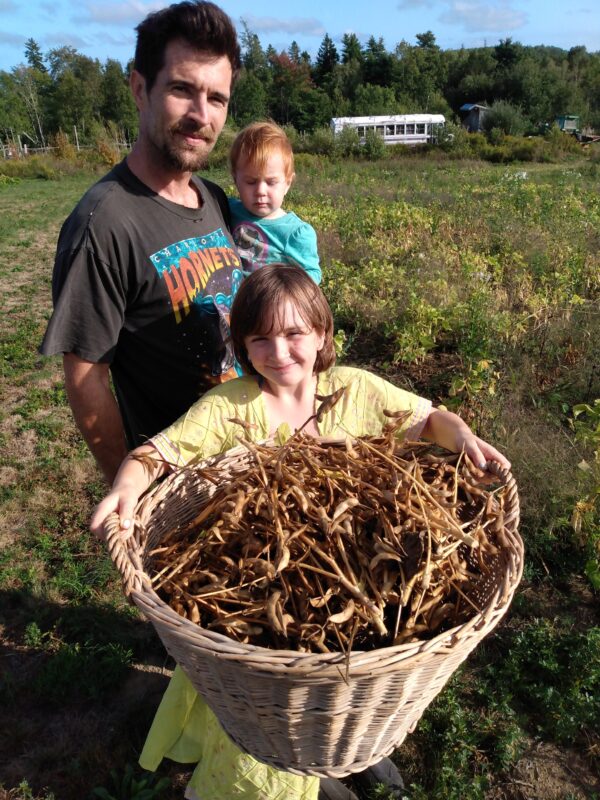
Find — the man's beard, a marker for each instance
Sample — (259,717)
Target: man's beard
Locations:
(176,155)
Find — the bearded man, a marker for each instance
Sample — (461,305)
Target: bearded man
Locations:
(146,268)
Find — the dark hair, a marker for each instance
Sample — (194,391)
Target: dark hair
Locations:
(259,140)
(200,24)
(258,309)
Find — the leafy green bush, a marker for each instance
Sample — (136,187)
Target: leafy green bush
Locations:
(561,143)
(374,147)
(321,141)
(347,143)
(309,163)
(461,744)
(219,156)
(505,117)
(42,167)
(554,677)
(5,180)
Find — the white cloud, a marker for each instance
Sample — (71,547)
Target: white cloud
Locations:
(11,39)
(410,4)
(475,16)
(128,12)
(64,39)
(123,40)
(308,27)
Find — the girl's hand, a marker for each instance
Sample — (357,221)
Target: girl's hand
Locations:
(123,501)
(449,431)
(480,452)
(136,473)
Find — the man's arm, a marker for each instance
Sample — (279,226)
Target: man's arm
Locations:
(96,412)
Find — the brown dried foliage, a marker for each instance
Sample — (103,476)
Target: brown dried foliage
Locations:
(325,547)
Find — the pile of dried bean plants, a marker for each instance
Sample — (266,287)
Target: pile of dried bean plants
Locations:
(321,547)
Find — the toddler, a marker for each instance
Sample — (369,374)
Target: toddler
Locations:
(262,166)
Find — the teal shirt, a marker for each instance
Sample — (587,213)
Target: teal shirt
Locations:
(263,241)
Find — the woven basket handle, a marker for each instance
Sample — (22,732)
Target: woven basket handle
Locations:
(116,540)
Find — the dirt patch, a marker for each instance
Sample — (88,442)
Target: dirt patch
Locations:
(8,476)
(545,772)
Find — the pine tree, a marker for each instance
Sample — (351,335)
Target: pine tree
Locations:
(33,55)
(327,60)
(351,49)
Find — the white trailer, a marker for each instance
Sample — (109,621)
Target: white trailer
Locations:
(395,129)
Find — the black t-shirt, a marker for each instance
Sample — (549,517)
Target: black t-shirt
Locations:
(146,285)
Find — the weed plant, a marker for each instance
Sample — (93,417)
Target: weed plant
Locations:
(475,284)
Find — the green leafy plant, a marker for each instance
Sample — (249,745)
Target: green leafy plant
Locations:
(89,670)
(586,514)
(553,677)
(128,787)
(477,378)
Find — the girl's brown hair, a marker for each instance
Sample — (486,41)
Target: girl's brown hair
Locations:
(259,305)
(256,142)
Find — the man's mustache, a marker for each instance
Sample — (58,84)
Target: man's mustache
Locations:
(190,129)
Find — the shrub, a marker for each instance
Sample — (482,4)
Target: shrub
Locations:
(42,167)
(347,143)
(219,155)
(561,143)
(63,147)
(554,676)
(321,141)
(505,117)
(374,147)
(477,143)
(307,163)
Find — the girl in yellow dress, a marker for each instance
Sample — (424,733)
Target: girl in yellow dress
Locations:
(282,332)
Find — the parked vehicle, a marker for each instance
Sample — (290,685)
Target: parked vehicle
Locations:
(396,129)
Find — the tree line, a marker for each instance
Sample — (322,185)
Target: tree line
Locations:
(64,91)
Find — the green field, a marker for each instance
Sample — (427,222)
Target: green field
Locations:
(477,285)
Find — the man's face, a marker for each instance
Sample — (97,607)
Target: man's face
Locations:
(184,112)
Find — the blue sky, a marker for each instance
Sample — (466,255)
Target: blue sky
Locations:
(104,28)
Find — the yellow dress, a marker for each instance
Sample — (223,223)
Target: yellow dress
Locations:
(184,728)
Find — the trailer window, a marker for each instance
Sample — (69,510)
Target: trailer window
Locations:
(361,131)
(389,130)
(379,130)
(420,127)
(399,130)
(410,128)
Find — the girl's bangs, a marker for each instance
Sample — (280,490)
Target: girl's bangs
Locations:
(270,317)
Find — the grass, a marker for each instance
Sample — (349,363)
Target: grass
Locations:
(474,284)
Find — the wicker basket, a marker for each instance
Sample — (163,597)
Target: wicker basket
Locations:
(303,712)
